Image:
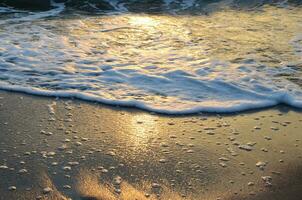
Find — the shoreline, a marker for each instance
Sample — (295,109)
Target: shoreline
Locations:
(141,107)
(206,156)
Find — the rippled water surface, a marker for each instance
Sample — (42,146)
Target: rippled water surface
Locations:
(225,61)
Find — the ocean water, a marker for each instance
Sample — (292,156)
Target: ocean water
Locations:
(182,57)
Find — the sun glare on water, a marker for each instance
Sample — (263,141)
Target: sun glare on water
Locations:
(142,21)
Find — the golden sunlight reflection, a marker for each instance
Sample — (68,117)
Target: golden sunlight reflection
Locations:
(148,39)
(89,186)
(142,128)
(128,54)
(142,21)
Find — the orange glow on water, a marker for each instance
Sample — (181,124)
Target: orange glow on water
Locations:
(143,21)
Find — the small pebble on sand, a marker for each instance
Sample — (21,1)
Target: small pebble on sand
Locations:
(12,188)
(47,190)
(245,147)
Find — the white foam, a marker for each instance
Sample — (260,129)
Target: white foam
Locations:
(7,10)
(58,8)
(157,63)
(226,107)
(117,5)
(51,108)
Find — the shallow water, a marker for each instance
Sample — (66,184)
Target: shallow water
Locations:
(228,60)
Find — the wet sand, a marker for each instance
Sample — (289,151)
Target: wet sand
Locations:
(61,148)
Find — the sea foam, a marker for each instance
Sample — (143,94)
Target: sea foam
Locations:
(165,64)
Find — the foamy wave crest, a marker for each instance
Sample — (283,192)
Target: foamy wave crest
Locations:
(206,107)
(6,10)
(31,16)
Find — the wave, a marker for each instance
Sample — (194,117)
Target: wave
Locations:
(147,6)
(226,107)
(57,8)
(171,64)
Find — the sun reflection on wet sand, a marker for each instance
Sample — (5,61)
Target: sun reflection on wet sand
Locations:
(198,150)
(143,127)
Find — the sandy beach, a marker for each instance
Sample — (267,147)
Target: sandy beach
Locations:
(61,148)
(150,100)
